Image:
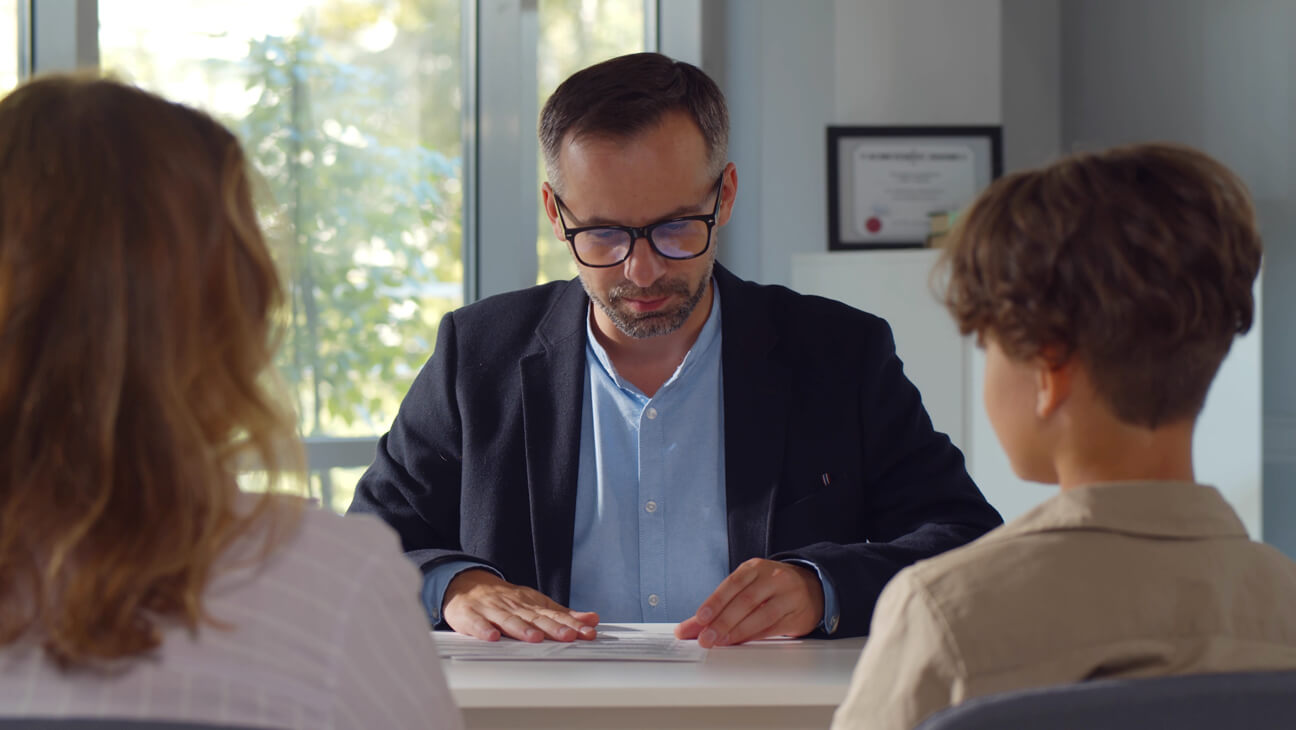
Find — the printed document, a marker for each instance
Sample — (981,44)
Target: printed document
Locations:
(614,643)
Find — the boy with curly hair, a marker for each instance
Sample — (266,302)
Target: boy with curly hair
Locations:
(1106,290)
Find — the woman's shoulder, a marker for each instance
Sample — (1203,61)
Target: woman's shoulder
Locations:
(323,552)
(347,542)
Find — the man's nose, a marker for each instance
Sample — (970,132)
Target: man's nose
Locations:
(644,266)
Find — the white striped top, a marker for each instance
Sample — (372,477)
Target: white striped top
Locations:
(328,633)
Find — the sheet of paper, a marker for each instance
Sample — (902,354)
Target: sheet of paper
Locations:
(613,644)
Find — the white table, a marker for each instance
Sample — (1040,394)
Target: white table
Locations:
(770,684)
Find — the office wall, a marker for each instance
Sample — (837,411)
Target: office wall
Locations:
(1219,76)
(774,61)
(1031,85)
(790,69)
(916,62)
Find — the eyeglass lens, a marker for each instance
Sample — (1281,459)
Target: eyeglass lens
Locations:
(673,239)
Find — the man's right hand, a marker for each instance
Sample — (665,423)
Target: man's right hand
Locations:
(479,603)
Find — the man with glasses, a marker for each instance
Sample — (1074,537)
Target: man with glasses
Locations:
(661,441)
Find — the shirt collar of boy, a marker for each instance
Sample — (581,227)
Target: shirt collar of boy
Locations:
(1163,509)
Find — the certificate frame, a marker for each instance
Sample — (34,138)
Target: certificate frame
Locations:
(880,179)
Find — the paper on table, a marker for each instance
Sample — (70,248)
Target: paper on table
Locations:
(612,644)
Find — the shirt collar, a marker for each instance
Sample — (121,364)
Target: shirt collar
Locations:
(705,341)
(1165,509)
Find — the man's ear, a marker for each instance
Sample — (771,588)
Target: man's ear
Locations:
(1053,381)
(728,194)
(548,197)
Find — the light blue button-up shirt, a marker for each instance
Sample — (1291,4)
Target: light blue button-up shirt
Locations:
(651,535)
(651,539)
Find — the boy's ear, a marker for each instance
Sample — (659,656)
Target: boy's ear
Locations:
(1053,381)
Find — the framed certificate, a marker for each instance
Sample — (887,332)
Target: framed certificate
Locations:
(885,182)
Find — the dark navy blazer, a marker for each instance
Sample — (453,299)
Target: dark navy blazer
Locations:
(481,461)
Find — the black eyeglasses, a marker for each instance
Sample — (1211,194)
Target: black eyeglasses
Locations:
(681,238)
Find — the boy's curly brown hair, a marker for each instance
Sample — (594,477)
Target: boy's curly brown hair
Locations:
(1139,260)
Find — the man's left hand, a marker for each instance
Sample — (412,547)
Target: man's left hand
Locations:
(762,598)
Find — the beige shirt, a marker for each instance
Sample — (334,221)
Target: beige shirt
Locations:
(327,634)
(1120,580)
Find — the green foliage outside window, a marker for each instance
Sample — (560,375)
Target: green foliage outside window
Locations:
(370,230)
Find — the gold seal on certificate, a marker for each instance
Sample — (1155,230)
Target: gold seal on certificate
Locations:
(885,183)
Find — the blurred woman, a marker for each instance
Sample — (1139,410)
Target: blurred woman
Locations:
(137,301)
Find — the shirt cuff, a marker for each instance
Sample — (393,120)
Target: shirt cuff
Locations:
(832,613)
(437,580)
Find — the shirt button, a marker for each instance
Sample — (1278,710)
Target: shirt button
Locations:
(651,506)
(651,413)
(653,599)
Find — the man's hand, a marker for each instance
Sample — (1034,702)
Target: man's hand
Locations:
(478,603)
(762,598)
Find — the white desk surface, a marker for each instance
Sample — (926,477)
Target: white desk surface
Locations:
(778,672)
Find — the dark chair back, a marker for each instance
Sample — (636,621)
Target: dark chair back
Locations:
(1243,701)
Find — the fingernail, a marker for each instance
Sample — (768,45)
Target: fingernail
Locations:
(706,614)
(708,636)
(566,632)
(534,635)
(587,630)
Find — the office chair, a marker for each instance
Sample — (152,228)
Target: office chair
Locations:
(1241,701)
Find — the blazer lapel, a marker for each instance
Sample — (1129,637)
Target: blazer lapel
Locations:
(553,393)
(755,417)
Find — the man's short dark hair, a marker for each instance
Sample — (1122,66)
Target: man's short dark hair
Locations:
(1139,261)
(624,96)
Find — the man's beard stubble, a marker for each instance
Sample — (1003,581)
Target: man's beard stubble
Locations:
(651,324)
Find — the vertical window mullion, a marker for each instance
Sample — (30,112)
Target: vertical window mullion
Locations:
(471,133)
(505,146)
(652,25)
(24,39)
(63,35)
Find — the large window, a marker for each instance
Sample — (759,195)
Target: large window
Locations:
(381,129)
(351,111)
(8,45)
(575,34)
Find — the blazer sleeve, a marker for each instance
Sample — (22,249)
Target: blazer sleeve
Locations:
(918,500)
(414,481)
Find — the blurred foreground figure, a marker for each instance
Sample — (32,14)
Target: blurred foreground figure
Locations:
(137,298)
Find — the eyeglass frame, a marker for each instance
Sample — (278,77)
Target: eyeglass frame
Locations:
(644,232)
